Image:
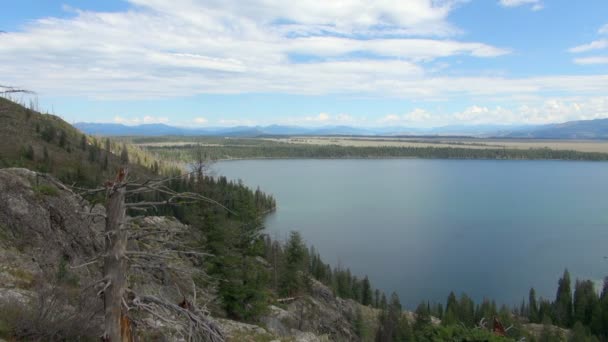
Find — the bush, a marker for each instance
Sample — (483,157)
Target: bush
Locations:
(55,313)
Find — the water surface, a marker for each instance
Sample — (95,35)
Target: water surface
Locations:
(425,227)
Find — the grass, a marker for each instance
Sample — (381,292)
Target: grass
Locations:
(46,190)
(570,145)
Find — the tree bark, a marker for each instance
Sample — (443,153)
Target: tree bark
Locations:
(115,266)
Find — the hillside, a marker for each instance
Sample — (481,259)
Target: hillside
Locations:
(46,143)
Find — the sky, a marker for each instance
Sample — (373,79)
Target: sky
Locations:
(414,63)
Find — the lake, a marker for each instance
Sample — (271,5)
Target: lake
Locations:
(423,228)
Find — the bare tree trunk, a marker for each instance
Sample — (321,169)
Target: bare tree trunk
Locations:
(115,265)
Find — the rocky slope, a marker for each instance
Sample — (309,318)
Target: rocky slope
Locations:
(46,231)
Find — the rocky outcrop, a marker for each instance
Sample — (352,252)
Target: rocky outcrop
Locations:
(42,226)
(45,220)
(328,317)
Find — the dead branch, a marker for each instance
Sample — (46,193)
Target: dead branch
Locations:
(199,326)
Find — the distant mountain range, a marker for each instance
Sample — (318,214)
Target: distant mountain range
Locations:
(585,129)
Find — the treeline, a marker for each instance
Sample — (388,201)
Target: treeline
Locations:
(582,310)
(267,149)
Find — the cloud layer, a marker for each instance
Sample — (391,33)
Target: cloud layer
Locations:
(187,47)
(399,49)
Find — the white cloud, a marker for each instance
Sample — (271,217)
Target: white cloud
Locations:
(200,121)
(603,29)
(138,121)
(536,4)
(189,47)
(236,122)
(553,110)
(181,48)
(414,16)
(323,119)
(416,118)
(594,45)
(592,60)
(415,49)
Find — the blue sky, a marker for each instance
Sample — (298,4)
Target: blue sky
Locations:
(415,63)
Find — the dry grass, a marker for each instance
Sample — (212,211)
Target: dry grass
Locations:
(575,145)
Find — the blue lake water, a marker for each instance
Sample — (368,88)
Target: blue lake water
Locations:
(423,228)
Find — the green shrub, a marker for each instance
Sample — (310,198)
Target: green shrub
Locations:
(46,190)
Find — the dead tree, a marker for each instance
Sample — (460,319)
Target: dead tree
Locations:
(114,262)
(118,298)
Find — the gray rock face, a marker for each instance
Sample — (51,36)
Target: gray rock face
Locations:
(42,224)
(45,220)
(321,315)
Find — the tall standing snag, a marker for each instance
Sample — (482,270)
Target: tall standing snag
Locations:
(114,263)
(119,299)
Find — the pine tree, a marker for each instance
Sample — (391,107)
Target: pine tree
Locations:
(585,301)
(366,292)
(533,307)
(377,298)
(451,310)
(423,316)
(295,252)
(563,301)
(390,322)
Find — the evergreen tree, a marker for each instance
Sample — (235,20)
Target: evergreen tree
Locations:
(390,322)
(451,310)
(383,303)
(563,301)
(377,298)
(546,311)
(466,310)
(366,292)
(585,302)
(533,307)
(295,252)
(423,317)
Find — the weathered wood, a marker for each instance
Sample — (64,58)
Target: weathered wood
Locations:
(115,263)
